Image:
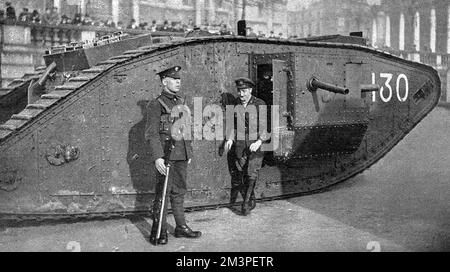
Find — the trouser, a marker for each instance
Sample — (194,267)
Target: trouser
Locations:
(176,189)
(244,174)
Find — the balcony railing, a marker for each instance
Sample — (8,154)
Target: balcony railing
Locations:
(53,35)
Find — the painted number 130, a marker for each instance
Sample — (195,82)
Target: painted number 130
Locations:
(386,91)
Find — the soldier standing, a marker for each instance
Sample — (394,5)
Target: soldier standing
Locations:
(246,156)
(166,150)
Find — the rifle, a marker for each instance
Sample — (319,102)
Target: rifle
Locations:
(161,212)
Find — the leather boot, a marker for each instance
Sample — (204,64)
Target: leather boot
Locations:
(163,238)
(186,232)
(246,204)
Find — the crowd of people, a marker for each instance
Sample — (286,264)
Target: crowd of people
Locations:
(271,35)
(51,16)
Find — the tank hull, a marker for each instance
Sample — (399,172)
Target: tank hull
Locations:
(328,138)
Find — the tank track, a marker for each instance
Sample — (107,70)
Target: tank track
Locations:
(20,121)
(17,220)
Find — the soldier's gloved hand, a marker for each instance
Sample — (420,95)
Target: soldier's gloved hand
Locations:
(255,146)
(228,145)
(160,166)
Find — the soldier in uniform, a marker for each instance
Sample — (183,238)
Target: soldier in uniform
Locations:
(245,156)
(166,150)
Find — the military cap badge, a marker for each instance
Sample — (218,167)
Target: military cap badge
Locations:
(243,83)
(173,72)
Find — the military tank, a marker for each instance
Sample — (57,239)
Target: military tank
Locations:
(75,148)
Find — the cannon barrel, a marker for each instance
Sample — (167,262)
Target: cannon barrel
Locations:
(314,84)
(35,89)
(46,74)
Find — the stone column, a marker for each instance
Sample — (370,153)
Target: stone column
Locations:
(212,11)
(115,11)
(401,34)
(374,32)
(271,11)
(387,34)
(433,30)
(285,21)
(83,7)
(416,31)
(381,25)
(199,6)
(57,4)
(136,11)
(448,30)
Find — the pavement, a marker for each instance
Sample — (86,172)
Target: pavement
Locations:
(402,203)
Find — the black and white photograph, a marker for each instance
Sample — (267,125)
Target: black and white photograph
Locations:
(245,127)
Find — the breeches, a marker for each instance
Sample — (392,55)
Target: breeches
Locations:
(176,189)
(177,179)
(250,167)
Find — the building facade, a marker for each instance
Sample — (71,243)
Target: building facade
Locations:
(327,17)
(23,45)
(413,29)
(413,25)
(261,15)
(417,30)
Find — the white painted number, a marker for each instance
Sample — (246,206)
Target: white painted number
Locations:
(374,81)
(402,99)
(386,91)
(388,78)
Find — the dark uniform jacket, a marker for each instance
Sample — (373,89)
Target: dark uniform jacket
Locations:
(242,145)
(158,130)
